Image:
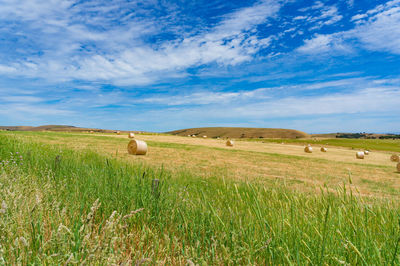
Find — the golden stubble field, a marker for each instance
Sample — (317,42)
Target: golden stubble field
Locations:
(253,161)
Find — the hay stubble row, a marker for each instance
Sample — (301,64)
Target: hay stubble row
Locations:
(335,153)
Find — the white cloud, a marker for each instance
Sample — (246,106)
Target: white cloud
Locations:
(229,43)
(356,106)
(7,69)
(359,95)
(329,16)
(376,30)
(320,15)
(358,16)
(381,32)
(378,99)
(207,97)
(300,17)
(21,99)
(327,44)
(117,54)
(24,110)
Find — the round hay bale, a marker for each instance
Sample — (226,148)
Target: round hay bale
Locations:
(366,152)
(398,167)
(204,136)
(137,147)
(131,135)
(395,158)
(230,143)
(323,149)
(308,149)
(118,132)
(360,155)
(193,136)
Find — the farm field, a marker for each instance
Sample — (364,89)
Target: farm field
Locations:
(369,144)
(257,162)
(80,198)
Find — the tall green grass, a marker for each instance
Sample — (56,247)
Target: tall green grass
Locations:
(62,206)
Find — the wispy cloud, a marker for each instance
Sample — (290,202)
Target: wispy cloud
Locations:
(377,30)
(319,15)
(326,44)
(366,106)
(207,97)
(358,95)
(118,54)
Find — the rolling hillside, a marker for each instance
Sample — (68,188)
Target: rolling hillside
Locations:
(63,128)
(241,132)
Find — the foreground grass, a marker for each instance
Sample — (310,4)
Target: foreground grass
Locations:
(368,144)
(62,206)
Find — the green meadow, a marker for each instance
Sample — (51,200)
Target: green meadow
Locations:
(65,206)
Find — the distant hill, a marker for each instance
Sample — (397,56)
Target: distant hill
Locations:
(54,128)
(241,132)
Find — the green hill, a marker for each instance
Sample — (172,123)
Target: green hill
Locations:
(241,132)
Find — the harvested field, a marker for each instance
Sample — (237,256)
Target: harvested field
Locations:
(261,162)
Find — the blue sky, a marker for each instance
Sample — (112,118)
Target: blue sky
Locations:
(316,66)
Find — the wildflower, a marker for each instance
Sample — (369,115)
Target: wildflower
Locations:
(3,207)
(23,241)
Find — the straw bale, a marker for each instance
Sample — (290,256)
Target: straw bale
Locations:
(230,143)
(323,149)
(360,155)
(308,149)
(137,147)
(395,158)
